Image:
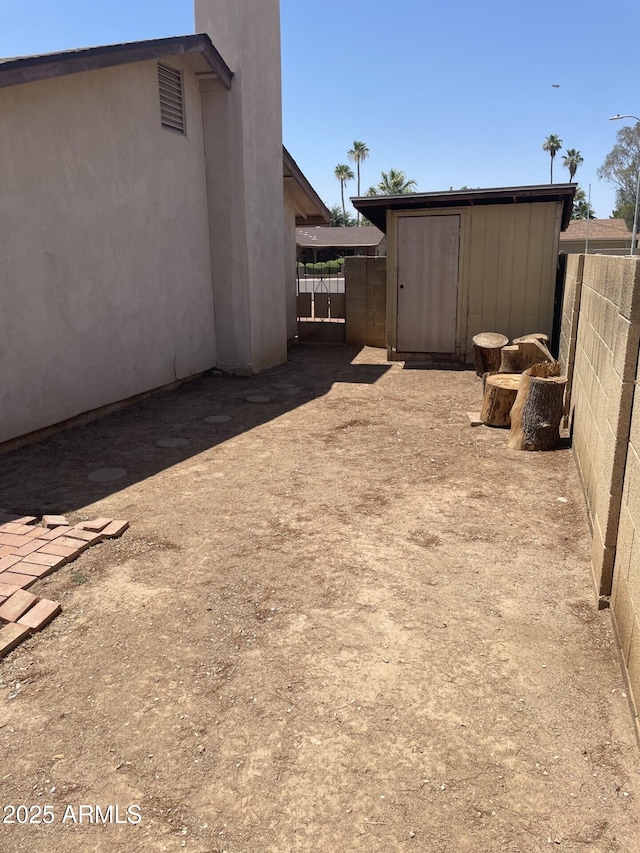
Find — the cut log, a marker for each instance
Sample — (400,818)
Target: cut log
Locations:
(485,376)
(486,351)
(513,359)
(519,357)
(537,411)
(535,336)
(500,393)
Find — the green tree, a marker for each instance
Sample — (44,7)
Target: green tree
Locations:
(343,173)
(338,218)
(620,167)
(552,144)
(393,182)
(581,207)
(571,160)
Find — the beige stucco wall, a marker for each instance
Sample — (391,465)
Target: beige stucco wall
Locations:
(603,247)
(243,131)
(104,245)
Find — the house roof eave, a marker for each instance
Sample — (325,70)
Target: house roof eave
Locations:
(310,209)
(198,49)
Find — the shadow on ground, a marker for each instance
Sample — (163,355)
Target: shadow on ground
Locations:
(50,476)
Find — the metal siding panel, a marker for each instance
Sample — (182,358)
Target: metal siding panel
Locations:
(505,267)
(490,270)
(522,214)
(428,262)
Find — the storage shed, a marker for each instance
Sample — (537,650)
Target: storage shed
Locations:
(469,261)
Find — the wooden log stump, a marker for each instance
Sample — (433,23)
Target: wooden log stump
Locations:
(535,336)
(513,360)
(486,351)
(520,356)
(500,393)
(537,411)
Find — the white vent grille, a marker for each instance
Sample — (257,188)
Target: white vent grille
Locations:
(171,99)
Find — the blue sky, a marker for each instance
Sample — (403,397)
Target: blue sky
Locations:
(452,93)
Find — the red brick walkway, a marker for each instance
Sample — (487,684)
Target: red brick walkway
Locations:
(30,551)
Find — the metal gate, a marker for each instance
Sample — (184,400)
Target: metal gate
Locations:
(321,301)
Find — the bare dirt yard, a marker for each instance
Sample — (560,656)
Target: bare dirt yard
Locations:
(342,620)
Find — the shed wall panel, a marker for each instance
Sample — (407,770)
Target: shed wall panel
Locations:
(510,277)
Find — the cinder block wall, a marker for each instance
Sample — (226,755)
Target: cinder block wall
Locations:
(625,600)
(366,301)
(606,299)
(570,313)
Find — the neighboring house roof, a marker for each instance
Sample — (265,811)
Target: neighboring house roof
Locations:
(375,207)
(310,209)
(197,49)
(339,237)
(599,229)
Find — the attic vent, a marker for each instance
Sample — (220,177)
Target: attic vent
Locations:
(171,100)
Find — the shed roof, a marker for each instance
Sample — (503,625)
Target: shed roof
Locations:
(310,209)
(375,207)
(198,49)
(599,229)
(339,236)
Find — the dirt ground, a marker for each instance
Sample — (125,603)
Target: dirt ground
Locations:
(343,620)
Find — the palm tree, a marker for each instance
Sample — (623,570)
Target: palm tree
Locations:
(581,207)
(343,173)
(357,155)
(552,144)
(394,182)
(571,160)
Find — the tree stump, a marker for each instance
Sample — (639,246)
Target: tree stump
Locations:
(535,336)
(520,356)
(513,360)
(486,351)
(500,393)
(537,411)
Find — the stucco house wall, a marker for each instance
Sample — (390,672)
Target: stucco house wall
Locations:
(104,244)
(244,155)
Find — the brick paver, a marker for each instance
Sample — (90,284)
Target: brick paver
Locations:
(40,614)
(10,636)
(14,579)
(17,605)
(29,552)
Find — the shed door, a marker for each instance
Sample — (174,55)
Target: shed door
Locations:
(428,248)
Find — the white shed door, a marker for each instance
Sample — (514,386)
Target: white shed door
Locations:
(428,248)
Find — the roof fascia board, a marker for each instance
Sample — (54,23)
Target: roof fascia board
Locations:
(30,69)
(294,176)
(377,205)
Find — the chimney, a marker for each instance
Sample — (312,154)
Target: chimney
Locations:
(243,138)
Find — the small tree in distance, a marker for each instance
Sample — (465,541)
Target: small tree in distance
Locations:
(340,219)
(393,182)
(581,207)
(571,160)
(621,167)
